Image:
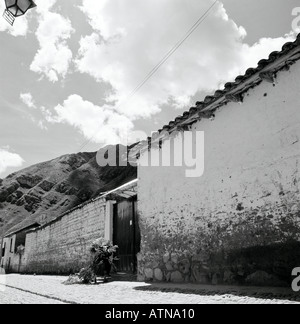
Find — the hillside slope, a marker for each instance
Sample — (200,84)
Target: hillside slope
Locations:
(44,191)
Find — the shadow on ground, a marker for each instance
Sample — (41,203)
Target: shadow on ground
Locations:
(124,277)
(265,293)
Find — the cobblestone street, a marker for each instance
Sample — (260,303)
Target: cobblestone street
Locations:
(15,296)
(16,289)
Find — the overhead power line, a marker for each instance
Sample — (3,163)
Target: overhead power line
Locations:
(161,62)
(173,50)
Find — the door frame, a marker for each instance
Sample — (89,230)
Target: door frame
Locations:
(135,228)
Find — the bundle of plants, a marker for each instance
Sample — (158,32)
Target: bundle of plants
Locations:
(103,257)
(102,261)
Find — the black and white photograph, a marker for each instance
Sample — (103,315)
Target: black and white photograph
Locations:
(149,154)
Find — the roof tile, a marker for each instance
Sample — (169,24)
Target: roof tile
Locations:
(193,110)
(209,99)
(273,56)
(288,46)
(178,119)
(250,72)
(239,79)
(228,86)
(219,93)
(263,63)
(186,115)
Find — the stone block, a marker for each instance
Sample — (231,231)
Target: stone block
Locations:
(177,277)
(228,277)
(168,276)
(158,275)
(140,278)
(155,264)
(169,266)
(200,275)
(174,258)
(166,257)
(149,273)
(184,266)
(216,279)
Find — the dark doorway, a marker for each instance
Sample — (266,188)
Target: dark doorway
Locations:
(20,240)
(3,250)
(126,234)
(8,265)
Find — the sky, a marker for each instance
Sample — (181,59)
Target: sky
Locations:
(69,67)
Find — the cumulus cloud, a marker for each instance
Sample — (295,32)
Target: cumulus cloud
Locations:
(8,159)
(27,99)
(129,40)
(263,48)
(100,124)
(45,6)
(42,126)
(54,56)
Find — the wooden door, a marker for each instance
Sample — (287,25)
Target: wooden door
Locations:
(126,235)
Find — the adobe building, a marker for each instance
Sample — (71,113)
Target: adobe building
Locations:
(238,223)
(12,249)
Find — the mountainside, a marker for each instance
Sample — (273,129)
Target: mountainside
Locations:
(44,191)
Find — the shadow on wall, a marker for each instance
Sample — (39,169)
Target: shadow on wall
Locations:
(257,247)
(254,266)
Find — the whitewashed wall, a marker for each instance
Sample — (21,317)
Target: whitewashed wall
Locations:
(210,229)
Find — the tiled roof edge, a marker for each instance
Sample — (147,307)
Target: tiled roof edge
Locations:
(230,92)
(22,229)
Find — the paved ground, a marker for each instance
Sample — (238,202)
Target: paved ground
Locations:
(14,296)
(17,289)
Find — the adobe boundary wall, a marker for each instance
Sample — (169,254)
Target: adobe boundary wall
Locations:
(63,246)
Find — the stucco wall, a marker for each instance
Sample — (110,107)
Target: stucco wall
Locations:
(63,246)
(239,222)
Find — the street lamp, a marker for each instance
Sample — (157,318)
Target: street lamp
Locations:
(16,8)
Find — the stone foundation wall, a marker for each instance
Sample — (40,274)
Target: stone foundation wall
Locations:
(239,223)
